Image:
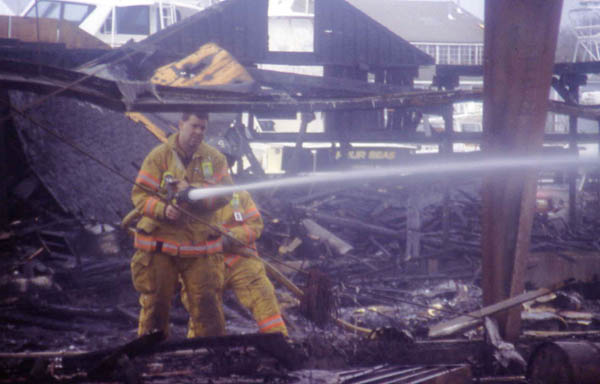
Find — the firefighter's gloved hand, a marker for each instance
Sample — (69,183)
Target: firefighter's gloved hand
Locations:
(227,244)
(172,213)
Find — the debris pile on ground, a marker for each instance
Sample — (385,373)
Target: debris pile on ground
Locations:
(67,288)
(387,261)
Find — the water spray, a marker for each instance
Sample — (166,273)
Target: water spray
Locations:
(472,164)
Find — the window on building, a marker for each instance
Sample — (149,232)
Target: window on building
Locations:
(107,26)
(443,54)
(468,54)
(76,12)
(470,127)
(479,54)
(304,6)
(45,9)
(289,29)
(134,20)
(168,18)
(428,49)
(465,54)
(73,12)
(453,54)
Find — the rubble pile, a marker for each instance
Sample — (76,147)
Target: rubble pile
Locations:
(357,236)
(66,287)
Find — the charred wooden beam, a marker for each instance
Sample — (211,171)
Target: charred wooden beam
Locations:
(4,110)
(591,112)
(473,319)
(121,355)
(175,100)
(321,85)
(520,37)
(150,98)
(273,344)
(504,353)
(341,246)
(353,223)
(246,150)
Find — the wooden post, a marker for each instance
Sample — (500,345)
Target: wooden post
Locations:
(4,111)
(413,225)
(520,40)
(447,147)
(340,124)
(572,173)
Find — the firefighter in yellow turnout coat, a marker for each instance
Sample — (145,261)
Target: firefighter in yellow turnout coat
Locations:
(245,275)
(171,245)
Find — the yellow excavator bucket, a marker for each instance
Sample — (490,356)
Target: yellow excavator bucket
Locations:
(209,66)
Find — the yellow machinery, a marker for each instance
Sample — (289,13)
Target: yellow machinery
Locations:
(209,66)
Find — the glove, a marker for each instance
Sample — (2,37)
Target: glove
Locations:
(227,244)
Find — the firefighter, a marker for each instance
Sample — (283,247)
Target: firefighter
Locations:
(171,244)
(246,275)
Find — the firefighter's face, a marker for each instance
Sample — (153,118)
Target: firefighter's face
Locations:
(191,133)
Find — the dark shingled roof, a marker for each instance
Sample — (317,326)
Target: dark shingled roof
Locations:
(80,185)
(424,21)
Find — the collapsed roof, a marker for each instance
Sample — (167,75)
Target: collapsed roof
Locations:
(81,185)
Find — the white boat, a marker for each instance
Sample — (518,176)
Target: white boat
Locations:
(115,21)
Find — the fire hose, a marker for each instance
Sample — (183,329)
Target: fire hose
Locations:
(192,195)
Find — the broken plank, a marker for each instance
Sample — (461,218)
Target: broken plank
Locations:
(353,223)
(561,334)
(114,360)
(473,319)
(274,344)
(313,228)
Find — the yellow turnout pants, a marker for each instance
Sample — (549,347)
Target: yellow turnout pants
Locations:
(155,276)
(253,289)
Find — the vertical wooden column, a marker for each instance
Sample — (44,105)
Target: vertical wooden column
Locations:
(572,174)
(520,40)
(446,148)
(4,111)
(339,124)
(380,79)
(413,224)
(401,77)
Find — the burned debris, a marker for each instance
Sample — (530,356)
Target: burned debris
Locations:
(389,298)
(411,278)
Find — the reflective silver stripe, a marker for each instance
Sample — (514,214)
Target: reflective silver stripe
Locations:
(145,242)
(193,247)
(218,244)
(276,320)
(251,214)
(228,262)
(148,180)
(170,246)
